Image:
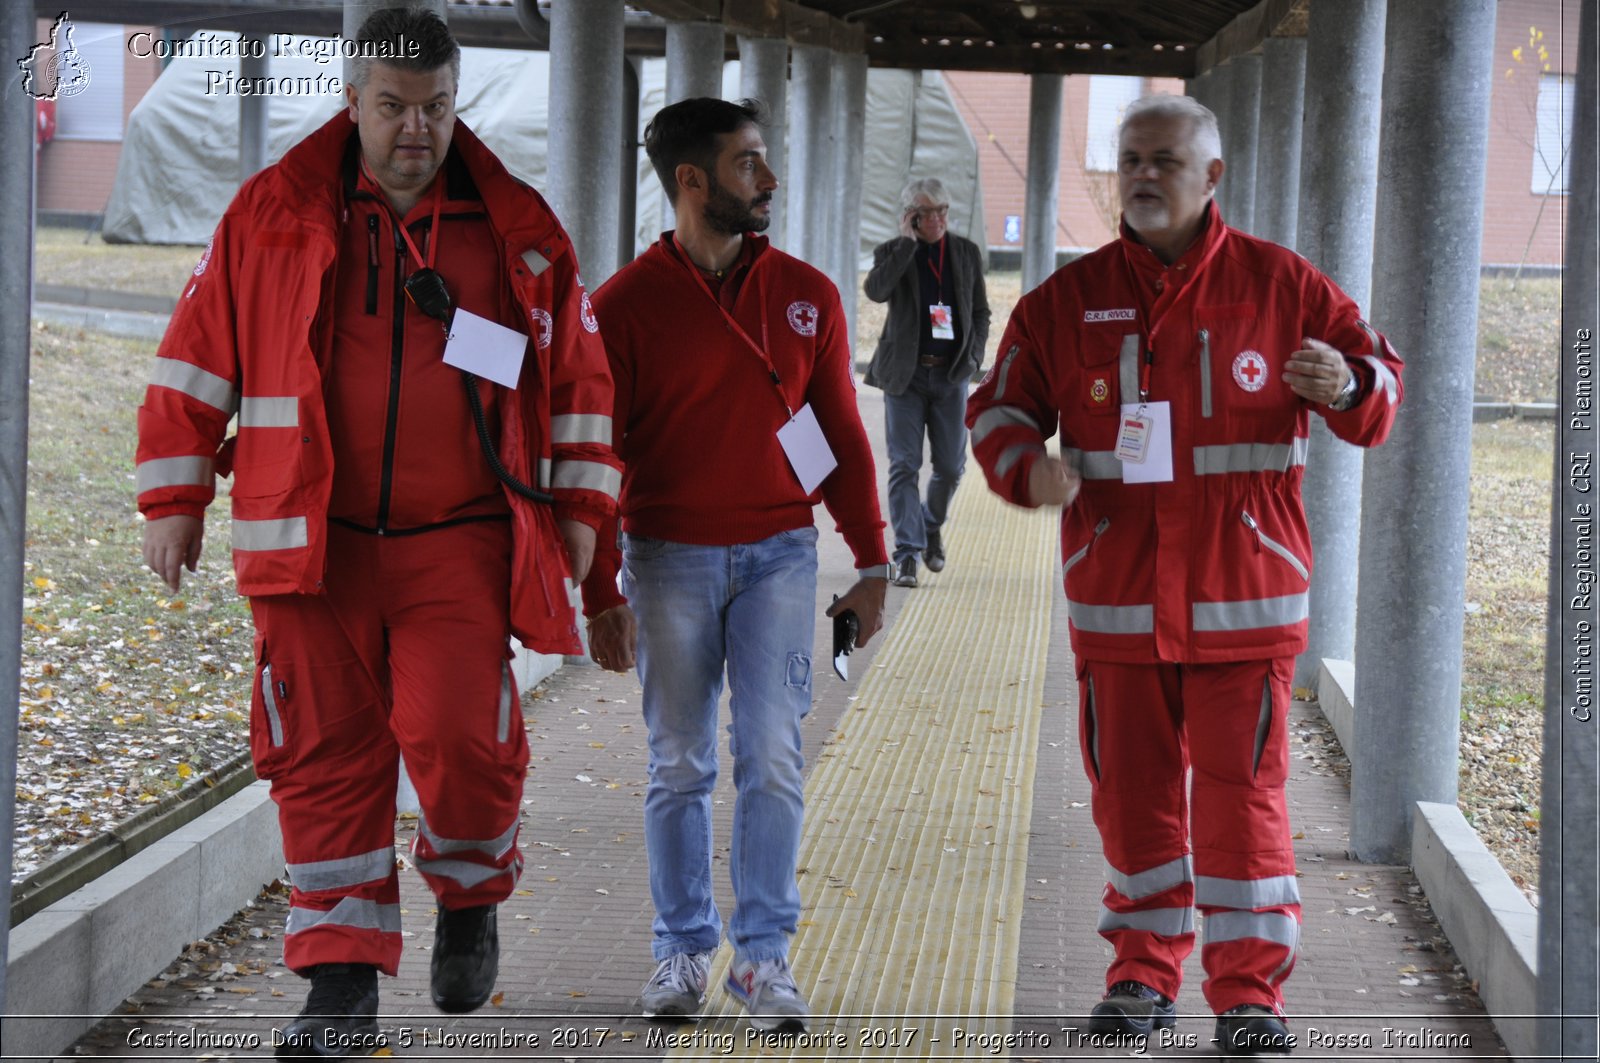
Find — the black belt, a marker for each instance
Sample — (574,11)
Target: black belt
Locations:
(930,361)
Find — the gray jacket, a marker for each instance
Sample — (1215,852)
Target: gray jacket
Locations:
(893,280)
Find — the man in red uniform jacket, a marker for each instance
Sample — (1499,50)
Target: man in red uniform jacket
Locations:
(719,343)
(1182,362)
(385,560)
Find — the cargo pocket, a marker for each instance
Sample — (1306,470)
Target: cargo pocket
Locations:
(269,734)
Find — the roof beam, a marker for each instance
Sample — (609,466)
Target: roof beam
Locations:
(682,10)
(1043,60)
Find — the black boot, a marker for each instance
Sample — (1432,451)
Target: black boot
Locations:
(1252,1030)
(340,1018)
(466,958)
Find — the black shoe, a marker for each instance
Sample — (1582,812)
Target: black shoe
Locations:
(1132,1009)
(466,958)
(1252,1030)
(933,555)
(905,572)
(340,1018)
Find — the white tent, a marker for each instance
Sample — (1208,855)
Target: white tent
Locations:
(179,165)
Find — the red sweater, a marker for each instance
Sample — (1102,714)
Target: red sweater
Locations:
(697,413)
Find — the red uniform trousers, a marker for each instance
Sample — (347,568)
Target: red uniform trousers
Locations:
(1142,727)
(406,652)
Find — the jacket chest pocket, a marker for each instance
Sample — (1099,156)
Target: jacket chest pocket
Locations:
(1241,364)
(1109,374)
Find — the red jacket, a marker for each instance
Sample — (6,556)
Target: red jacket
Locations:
(697,413)
(252,329)
(1214,565)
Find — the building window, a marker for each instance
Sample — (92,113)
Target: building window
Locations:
(96,112)
(1109,96)
(1552,135)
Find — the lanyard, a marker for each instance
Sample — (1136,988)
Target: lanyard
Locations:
(759,348)
(433,228)
(1149,326)
(937,270)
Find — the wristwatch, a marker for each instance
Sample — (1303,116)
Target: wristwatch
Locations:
(1347,395)
(883,571)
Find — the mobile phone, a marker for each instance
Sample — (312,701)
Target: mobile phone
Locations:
(846,628)
(916,221)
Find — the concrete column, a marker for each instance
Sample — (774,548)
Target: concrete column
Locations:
(764,76)
(1200,88)
(1239,141)
(850,108)
(628,172)
(252,108)
(586,134)
(694,60)
(1219,97)
(356,12)
(1044,161)
(811,200)
(1338,195)
(1569,820)
(1277,182)
(1436,86)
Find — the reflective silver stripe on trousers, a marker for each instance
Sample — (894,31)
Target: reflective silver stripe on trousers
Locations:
(468,875)
(1128,367)
(1250,457)
(195,383)
(580,428)
(1236,926)
(1005,371)
(1170,922)
(1205,372)
(344,873)
(193,471)
(287,533)
(1245,892)
(1001,417)
(507,700)
(1112,619)
(1013,454)
(536,262)
(494,847)
(1253,613)
(275,411)
(1094,464)
(1153,880)
(1385,377)
(352,912)
(587,476)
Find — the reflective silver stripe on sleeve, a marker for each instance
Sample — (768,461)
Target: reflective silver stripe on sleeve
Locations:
(580,428)
(463,872)
(1112,619)
(1013,454)
(344,873)
(1245,893)
(352,912)
(535,262)
(1250,457)
(1000,417)
(1236,926)
(287,533)
(274,411)
(1385,376)
(587,476)
(494,847)
(1094,464)
(1154,880)
(195,383)
(1253,613)
(1128,368)
(1170,922)
(507,700)
(193,471)
(1205,372)
(1005,371)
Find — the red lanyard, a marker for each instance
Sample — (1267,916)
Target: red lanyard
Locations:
(1150,325)
(733,323)
(433,228)
(937,271)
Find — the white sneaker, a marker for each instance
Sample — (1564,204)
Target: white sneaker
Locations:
(678,987)
(768,993)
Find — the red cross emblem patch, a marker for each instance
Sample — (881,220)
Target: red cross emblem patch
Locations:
(1250,370)
(1100,391)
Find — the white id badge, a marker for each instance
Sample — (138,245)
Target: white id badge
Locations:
(486,348)
(1144,442)
(807,449)
(942,322)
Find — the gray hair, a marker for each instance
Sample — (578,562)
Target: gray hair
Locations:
(930,187)
(1202,123)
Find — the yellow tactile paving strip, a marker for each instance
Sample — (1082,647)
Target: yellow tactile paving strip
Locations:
(916,840)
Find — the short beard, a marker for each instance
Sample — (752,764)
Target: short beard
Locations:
(1155,216)
(728,214)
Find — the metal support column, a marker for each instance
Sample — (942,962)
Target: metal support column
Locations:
(1239,139)
(1436,87)
(1338,195)
(252,106)
(586,134)
(810,149)
(1277,181)
(1044,161)
(850,107)
(694,60)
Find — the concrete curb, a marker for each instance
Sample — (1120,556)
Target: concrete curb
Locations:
(77,960)
(129,324)
(1488,921)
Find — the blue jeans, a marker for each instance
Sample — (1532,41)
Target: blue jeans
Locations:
(751,608)
(936,406)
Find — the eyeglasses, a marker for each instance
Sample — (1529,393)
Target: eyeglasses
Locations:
(934,212)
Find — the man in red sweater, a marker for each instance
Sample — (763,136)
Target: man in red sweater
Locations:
(725,352)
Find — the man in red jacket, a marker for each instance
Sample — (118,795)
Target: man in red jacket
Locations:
(387,560)
(733,395)
(1182,362)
